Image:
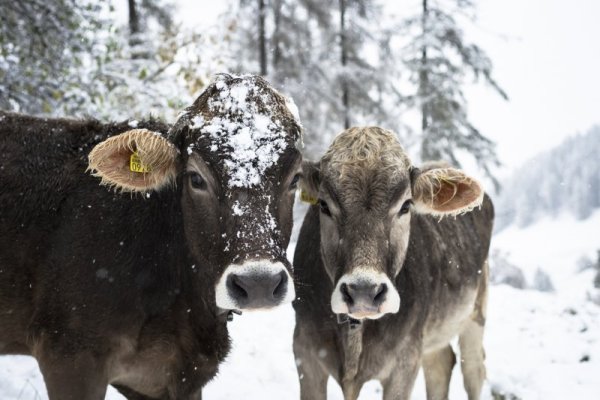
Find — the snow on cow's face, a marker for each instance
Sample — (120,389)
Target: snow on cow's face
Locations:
(234,157)
(242,165)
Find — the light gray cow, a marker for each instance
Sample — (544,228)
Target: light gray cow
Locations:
(385,279)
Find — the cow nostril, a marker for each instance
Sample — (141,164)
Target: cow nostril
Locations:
(346,294)
(236,286)
(380,294)
(280,284)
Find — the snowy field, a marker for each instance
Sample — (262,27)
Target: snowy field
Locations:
(539,345)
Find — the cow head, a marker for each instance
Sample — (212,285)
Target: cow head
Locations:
(234,158)
(367,190)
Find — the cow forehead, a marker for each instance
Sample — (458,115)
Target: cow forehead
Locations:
(364,190)
(366,162)
(245,126)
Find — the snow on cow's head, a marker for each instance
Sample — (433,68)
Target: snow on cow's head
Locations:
(235,158)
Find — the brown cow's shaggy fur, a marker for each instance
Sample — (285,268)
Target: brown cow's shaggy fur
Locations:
(104,288)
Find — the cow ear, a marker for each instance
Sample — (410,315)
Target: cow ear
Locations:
(310,182)
(445,191)
(138,160)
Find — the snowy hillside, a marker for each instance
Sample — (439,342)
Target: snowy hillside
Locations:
(547,345)
(566,178)
(539,345)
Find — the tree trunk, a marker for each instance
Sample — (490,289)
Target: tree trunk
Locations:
(262,40)
(424,91)
(134,19)
(135,30)
(276,37)
(344,59)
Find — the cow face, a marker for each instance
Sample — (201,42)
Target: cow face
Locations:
(367,190)
(234,156)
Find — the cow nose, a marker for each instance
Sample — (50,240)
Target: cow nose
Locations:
(258,290)
(254,284)
(365,296)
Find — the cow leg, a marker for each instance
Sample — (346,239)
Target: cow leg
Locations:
(313,380)
(351,390)
(313,377)
(76,377)
(399,385)
(437,366)
(472,358)
(312,373)
(470,341)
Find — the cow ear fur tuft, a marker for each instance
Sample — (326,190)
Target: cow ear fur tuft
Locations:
(154,167)
(445,191)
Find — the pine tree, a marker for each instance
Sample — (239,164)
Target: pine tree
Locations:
(135,76)
(67,57)
(151,66)
(440,59)
(565,179)
(42,44)
(316,54)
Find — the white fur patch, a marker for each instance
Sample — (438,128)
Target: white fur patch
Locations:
(226,302)
(391,304)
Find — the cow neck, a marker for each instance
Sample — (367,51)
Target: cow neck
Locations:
(156,240)
(352,342)
(200,321)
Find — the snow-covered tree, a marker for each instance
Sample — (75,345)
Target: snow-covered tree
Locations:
(65,57)
(326,55)
(440,60)
(133,79)
(564,179)
(42,45)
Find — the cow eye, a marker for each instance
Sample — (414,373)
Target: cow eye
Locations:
(405,207)
(197,181)
(324,207)
(294,183)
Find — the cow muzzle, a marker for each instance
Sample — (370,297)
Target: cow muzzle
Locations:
(253,285)
(365,294)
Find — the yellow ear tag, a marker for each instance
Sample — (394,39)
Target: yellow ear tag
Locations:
(307,198)
(135,164)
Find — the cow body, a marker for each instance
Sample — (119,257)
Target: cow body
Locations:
(441,282)
(93,273)
(104,287)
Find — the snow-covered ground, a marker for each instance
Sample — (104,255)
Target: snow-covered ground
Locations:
(538,345)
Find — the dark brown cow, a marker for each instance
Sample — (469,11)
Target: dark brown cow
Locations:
(134,290)
(384,280)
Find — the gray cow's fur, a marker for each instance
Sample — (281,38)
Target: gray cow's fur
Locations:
(371,227)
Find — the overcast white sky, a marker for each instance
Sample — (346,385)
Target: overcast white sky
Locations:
(546,55)
(549,64)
